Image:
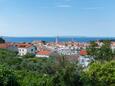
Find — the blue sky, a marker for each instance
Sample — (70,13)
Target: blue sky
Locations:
(57,17)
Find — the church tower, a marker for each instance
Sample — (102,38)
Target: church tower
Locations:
(56,41)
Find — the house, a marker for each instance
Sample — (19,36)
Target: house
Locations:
(68,50)
(43,53)
(85,60)
(113,46)
(8,46)
(24,48)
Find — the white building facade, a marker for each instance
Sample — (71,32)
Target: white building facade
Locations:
(23,50)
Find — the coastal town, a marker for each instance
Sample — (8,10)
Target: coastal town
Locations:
(57,43)
(73,51)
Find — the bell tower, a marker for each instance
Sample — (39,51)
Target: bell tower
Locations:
(57,40)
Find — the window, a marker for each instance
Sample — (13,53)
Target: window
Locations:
(32,49)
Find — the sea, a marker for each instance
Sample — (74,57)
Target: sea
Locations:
(53,39)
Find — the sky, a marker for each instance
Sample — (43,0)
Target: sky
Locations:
(91,18)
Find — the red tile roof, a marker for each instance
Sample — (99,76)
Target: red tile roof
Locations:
(83,52)
(43,52)
(23,45)
(5,45)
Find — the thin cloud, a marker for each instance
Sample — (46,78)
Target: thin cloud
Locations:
(67,0)
(64,6)
(93,8)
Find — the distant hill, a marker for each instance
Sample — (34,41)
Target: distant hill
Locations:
(2,40)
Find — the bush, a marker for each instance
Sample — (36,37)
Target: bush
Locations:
(7,77)
(29,55)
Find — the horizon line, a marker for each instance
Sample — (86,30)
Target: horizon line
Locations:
(62,36)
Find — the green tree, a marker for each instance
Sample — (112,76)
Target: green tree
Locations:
(2,40)
(102,53)
(68,76)
(7,77)
(100,74)
(6,53)
(92,49)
